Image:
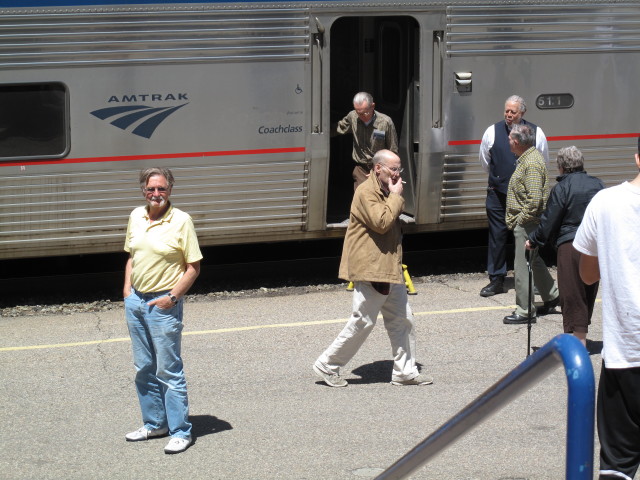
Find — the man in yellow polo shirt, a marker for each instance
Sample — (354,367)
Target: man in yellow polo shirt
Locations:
(164,261)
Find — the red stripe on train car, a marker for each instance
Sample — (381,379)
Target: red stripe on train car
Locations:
(592,137)
(564,138)
(125,158)
(465,142)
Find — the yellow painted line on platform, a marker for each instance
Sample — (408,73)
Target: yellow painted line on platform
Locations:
(63,345)
(197,332)
(259,327)
(252,327)
(467,310)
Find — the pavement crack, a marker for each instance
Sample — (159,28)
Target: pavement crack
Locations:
(100,346)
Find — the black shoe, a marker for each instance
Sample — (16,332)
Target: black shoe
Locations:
(594,348)
(515,319)
(548,306)
(495,286)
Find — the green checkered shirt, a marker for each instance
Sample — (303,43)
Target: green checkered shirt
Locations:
(528,190)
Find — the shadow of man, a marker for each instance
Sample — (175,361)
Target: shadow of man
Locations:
(207,425)
(376,372)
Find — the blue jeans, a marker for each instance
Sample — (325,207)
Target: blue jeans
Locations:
(156,336)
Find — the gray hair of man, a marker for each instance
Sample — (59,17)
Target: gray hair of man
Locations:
(147,173)
(363,97)
(524,135)
(570,159)
(519,100)
(382,156)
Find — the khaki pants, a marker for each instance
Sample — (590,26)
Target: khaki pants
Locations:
(398,320)
(543,280)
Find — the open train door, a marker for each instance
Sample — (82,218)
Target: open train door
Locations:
(378,55)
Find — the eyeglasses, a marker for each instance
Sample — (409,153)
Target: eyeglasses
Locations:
(393,169)
(153,189)
(364,113)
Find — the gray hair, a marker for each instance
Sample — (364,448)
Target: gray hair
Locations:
(363,97)
(570,159)
(147,173)
(519,100)
(523,134)
(382,155)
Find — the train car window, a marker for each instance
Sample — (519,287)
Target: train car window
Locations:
(34,121)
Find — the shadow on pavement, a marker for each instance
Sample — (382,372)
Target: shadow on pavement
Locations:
(376,372)
(207,424)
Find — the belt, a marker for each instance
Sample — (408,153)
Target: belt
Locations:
(150,295)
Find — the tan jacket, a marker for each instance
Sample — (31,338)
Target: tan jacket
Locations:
(372,250)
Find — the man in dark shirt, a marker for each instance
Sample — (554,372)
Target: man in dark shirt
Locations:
(499,162)
(372,131)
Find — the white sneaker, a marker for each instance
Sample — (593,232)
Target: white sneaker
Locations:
(421,379)
(177,445)
(144,434)
(331,379)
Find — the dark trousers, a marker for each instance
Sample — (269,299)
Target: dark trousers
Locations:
(498,234)
(360,174)
(576,298)
(618,415)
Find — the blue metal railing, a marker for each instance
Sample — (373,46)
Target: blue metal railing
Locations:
(580,410)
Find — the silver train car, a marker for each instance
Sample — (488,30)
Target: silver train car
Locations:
(239,98)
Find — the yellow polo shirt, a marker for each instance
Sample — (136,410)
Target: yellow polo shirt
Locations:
(160,251)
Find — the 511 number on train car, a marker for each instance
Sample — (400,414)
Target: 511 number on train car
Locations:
(548,101)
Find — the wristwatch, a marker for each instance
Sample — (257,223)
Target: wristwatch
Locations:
(173,298)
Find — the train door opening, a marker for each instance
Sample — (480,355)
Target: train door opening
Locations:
(378,55)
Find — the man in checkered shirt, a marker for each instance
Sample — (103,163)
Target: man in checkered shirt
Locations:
(526,200)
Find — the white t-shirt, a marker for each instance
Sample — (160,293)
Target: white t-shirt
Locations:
(610,230)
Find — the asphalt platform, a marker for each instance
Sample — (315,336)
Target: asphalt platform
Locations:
(259,412)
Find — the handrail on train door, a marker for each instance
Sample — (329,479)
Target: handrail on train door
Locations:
(580,409)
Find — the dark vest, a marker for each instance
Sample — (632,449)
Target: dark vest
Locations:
(503,161)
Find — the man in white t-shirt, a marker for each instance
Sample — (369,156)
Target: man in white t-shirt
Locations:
(608,241)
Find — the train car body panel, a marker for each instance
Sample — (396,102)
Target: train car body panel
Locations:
(576,61)
(239,100)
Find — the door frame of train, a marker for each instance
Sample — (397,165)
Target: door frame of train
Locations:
(361,48)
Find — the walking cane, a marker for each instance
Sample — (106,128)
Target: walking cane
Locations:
(527,256)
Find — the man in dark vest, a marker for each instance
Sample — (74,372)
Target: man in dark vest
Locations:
(499,162)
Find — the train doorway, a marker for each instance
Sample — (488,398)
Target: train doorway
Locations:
(378,55)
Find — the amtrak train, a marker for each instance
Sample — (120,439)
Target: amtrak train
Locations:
(238,99)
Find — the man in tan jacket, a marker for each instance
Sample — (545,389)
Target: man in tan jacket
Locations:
(372,260)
